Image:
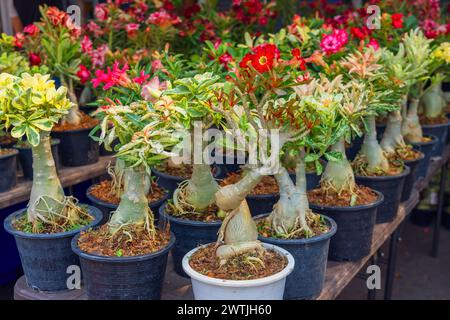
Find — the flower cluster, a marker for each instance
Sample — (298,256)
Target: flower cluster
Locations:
(262,58)
(333,43)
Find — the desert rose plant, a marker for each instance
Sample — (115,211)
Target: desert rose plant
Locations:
(31,106)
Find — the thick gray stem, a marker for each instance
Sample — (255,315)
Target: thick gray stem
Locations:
(433,101)
(411,129)
(45,180)
(339,174)
(371,149)
(133,207)
(201,187)
(392,137)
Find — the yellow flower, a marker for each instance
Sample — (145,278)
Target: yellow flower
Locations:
(442,52)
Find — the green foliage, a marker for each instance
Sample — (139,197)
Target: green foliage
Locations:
(31,105)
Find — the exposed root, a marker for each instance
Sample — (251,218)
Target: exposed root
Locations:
(58,216)
(226,252)
(361,168)
(116,181)
(180,207)
(123,233)
(329,189)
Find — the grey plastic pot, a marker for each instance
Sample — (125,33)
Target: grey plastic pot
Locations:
(440,132)
(123,278)
(189,234)
(310,255)
(106,207)
(46,257)
(426,148)
(353,239)
(411,177)
(391,187)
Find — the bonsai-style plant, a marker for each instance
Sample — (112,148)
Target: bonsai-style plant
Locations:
(31,106)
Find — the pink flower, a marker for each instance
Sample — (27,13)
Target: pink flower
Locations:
(101,12)
(86,45)
(152,90)
(374,44)
(330,44)
(31,30)
(94,28)
(341,35)
(142,78)
(156,65)
(163,19)
(225,59)
(84,74)
(132,29)
(98,55)
(18,40)
(111,78)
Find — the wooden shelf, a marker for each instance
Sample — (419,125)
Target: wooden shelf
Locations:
(69,176)
(339,274)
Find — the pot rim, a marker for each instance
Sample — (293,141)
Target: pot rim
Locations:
(54,142)
(398,176)
(351,208)
(8,225)
(13,153)
(436,125)
(422,155)
(110,205)
(93,257)
(240,283)
(164,215)
(433,140)
(158,174)
(314,239)
(73,130)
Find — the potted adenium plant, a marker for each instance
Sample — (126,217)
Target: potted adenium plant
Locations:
(418,53)
(126,258)
(55,39)
(106,194)
(31,106)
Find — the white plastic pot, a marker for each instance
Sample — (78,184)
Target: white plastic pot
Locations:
(269,288)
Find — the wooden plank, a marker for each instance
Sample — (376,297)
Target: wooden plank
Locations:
(339,274)
(69,176)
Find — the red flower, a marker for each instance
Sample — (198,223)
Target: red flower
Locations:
(34,59)
(84,74)
(397,20)
(298,59)
(191,10)
(142,78)
(358,33)
(262,58)
(132,29)
(296,53)
(56,16)
(18,40)
(31,30)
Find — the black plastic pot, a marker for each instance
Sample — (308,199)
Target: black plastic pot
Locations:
(354,148)
(391,187)
(189,234)
(446,218)
(426,148)
(422,217)
(411,177)
(26,158)
(308,277)
(8,170)
(77,148)
(261,203)
(123,278)
(46,257)
(106,207)
(312,180)
(353,239)
(380,127)
(440,132)
(170,183)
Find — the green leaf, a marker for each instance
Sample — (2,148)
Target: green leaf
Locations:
(32,135)
(43,124)
(19,131)
(334,156)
